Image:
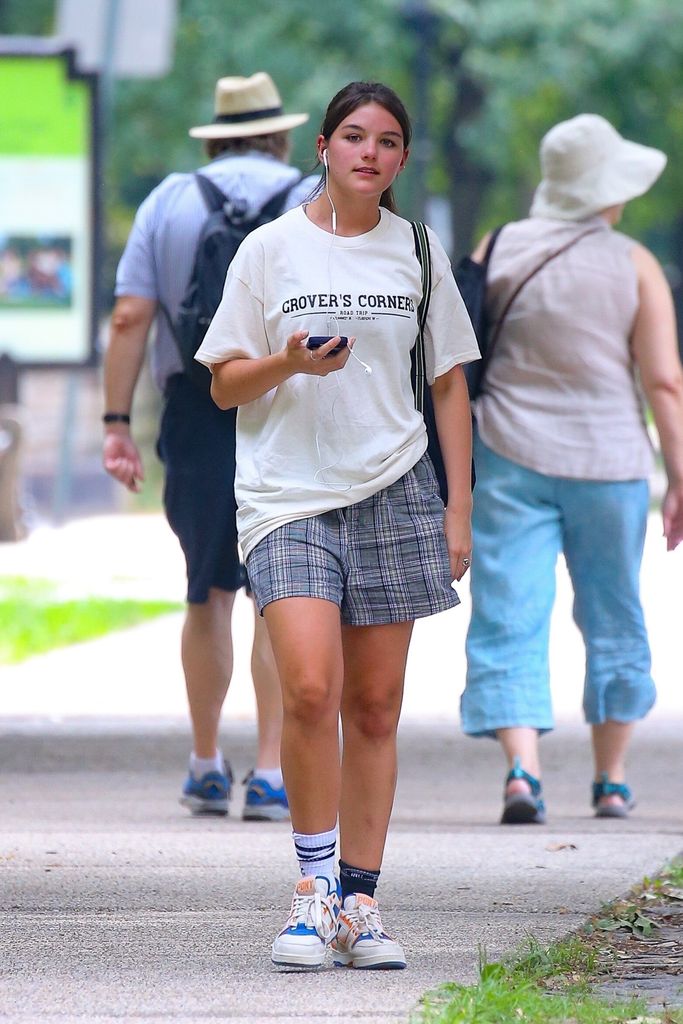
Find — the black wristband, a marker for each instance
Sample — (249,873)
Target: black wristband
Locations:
(116,417)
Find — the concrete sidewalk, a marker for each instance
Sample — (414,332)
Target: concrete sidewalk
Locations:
(116,906)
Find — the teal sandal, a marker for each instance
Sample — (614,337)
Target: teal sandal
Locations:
(606,788)
(523,808)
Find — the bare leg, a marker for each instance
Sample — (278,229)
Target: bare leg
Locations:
(268,697)
(522,742)
(207,662)
(374,670)
(610,743)
(306,638)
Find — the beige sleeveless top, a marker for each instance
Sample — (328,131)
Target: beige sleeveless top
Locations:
(560,394)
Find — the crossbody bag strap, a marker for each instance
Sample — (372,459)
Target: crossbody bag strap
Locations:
(424,258)
(525,281)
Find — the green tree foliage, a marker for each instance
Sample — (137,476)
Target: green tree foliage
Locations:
(505,73)
(310,50)
(26,17)
(499,73)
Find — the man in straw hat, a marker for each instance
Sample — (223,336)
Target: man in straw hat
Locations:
(248,146)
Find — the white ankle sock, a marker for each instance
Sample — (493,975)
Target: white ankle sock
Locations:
(316,854)
(202,765)
(273,776)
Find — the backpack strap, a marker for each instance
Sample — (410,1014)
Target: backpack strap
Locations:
(424,258)
(275,206)
(215,198)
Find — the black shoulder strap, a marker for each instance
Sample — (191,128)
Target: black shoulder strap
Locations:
(491,242)
(213,197)
(275,205)
(424,257)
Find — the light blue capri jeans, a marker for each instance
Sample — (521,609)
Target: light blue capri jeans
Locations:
(522,520)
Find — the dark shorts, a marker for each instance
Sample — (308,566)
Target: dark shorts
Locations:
(197,447)
(381,560)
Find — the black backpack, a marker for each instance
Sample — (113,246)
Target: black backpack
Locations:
(219,240)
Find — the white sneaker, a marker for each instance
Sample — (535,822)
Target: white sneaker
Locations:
(361,940)
(311,926)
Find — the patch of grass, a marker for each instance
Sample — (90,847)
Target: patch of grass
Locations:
(559,984)
(537,985)
(35,619)
(670,877)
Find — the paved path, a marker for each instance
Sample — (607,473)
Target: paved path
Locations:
(116,906)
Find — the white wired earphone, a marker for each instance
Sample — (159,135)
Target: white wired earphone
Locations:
(368,369)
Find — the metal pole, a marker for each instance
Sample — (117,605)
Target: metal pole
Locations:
(111,24)
(61,495)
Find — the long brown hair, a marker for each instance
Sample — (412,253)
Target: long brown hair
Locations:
(358,94)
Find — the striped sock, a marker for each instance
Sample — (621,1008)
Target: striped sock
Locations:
(316,854)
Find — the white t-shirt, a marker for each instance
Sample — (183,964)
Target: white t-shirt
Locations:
(318,443)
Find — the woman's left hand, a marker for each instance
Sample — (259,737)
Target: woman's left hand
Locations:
(459,540)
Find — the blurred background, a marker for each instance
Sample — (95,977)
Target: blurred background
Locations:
(483,80)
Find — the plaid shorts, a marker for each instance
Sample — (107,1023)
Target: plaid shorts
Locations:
(381,560)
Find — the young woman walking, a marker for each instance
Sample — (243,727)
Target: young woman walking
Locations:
(345,536)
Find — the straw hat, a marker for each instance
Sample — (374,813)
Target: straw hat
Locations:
(245,107)
(587,166)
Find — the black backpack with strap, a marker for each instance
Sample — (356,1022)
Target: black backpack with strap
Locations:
(418,370)
(219,239)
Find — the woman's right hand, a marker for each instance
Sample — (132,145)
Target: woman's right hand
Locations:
(317,362)
(672,516)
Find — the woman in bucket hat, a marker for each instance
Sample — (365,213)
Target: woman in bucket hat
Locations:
(563,457)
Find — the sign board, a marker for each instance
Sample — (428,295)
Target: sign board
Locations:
(47,210)
(134,38)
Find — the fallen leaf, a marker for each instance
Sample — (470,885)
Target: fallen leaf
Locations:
(554,847)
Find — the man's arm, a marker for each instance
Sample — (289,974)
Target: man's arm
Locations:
(130,323)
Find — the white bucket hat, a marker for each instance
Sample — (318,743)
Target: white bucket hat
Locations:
(245,107)
(587,166)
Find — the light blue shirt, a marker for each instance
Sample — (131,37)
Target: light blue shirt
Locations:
(157,261)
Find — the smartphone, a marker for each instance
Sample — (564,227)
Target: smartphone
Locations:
(318,340)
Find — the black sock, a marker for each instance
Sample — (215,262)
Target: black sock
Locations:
(356,880)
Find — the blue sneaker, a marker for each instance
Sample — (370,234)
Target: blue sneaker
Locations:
(262,802)
(210,794)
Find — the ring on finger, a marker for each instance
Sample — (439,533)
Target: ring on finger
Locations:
(465,561)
